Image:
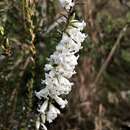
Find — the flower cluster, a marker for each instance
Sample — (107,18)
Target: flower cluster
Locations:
(67,4)
(60,68)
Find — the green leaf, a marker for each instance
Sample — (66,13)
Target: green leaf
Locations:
(125,55)
(1,30)
(128,16)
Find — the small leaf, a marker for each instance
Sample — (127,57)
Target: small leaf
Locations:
(128,16)
(1,30)
(125,55)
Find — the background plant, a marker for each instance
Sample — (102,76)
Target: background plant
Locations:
(25,44)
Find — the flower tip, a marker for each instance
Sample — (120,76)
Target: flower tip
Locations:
(37,124)
(44,127)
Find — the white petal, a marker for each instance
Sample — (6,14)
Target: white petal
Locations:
(38,124)
(42,93)
(43,107)
(43,127)
(52,113)
(60,101)
(43,117)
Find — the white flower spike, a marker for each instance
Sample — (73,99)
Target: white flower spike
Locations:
(59,69)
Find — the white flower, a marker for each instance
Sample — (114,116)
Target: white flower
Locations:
(62,70)
(42,93)
(65,58)
(48,67)
(43,107)
(52,113)
(43,117)
(43,126)
(76,35)
(67,4)
(38,123)
(60,101)
(79,25)
(64,81)
(68,45)
(57,85)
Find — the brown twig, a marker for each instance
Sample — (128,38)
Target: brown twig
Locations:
(104,66)
(89,11)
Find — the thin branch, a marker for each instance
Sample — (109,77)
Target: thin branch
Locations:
(55,24)
(104,66)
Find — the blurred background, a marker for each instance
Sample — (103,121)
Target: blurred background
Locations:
(100,99)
